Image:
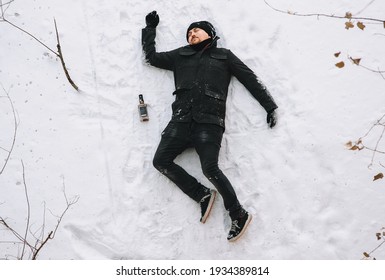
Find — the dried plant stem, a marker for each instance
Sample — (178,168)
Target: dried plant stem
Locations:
(14,131)
(359,145)
(28,210)
(40,241)
(378,71)
(58,53)
(29,34)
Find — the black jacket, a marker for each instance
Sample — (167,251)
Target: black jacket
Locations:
(202,79)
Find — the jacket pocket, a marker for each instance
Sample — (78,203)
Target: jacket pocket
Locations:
(215,94)
(218,63)
(219,56)
(183,86)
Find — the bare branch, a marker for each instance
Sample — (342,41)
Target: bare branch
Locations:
(378,142)
(58,53)
(367,68)
(15,233)
(324,15)
(68,205)
(62,60)
(7,4)
(41,241)
(21,29)
(34,256)
(380,236)
(359,145)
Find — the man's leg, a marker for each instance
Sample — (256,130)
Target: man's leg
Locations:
(207,140)
(175,139)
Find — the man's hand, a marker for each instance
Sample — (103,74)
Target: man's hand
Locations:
(271,118)
(152,19)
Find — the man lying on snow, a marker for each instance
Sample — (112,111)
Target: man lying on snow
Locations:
(202,75)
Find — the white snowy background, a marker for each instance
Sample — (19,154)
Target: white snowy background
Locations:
(311,197)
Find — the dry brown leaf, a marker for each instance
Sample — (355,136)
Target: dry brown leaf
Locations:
(366,255)
(348,15)
(356,60)
(337,54)
(378,176)
(340,64)
(349,144)
(360,25)
(349,25)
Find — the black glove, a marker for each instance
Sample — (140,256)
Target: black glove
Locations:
(271,118)
(152,19)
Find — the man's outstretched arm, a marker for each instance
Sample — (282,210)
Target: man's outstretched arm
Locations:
(247,77)
(164,60)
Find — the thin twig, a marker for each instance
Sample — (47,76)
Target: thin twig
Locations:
(34,256)
(371,252)
(21,29)
(28,209)
(1,148)
(382,75)
(360,145)
(381,72)
(14,130)
(62,60)
(378,141)
(366,6)
(377,122)
(68,205)
(15,233)
(2,5)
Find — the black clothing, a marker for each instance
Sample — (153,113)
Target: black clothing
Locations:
(202,79)
(206,139)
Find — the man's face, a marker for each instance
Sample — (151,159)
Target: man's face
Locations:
(197,35)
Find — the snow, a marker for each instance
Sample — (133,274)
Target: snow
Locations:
(311,197)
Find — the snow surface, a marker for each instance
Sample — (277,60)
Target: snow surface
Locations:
(311,197)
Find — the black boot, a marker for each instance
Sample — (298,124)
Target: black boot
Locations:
(239,225)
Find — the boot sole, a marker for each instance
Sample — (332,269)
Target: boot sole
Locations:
(243,230)
(209,207)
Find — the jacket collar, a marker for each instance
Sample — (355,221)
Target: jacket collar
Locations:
(188,50)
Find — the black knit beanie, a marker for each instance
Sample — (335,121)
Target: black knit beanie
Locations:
(205,25)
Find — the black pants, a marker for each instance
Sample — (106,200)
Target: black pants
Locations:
(206,139)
